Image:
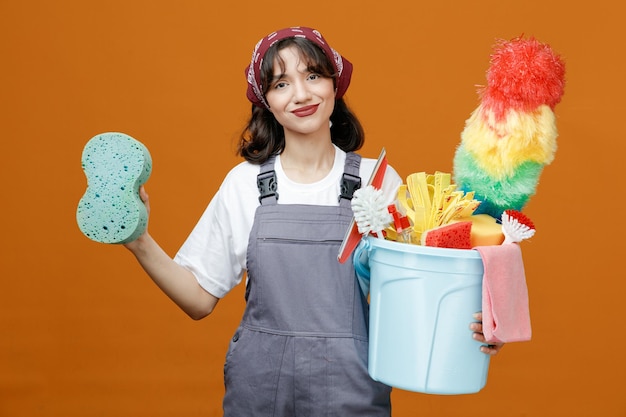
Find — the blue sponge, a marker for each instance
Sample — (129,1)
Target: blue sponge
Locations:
(111,211)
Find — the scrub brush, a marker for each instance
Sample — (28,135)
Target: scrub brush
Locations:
(516,226)
(370,211)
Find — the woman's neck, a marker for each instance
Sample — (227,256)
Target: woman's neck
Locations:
(307,162)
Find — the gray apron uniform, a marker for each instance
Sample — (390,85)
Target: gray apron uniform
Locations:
(301,348)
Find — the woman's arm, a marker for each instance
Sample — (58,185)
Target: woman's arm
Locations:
(177,282)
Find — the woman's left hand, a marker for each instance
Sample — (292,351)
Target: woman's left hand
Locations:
(477,327)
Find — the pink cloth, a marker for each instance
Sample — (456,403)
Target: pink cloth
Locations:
(506,316)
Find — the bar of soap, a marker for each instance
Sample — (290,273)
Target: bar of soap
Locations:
(111,211)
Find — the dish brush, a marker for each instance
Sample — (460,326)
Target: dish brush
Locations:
(370,211)
(516,226)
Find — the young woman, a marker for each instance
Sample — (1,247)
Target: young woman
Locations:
(280,217)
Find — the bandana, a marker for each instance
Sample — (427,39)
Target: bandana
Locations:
(343,67)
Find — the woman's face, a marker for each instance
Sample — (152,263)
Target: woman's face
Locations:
(300,100)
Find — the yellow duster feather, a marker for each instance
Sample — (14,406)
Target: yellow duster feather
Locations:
(499,148)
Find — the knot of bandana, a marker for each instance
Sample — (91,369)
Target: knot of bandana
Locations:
(342,66)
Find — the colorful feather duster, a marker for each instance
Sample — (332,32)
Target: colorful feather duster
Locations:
(512,134)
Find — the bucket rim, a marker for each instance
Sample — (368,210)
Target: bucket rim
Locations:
(419,249)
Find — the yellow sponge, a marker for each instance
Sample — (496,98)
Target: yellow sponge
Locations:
(111,211)
(485,230)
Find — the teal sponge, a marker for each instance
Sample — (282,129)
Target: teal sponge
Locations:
(111,211)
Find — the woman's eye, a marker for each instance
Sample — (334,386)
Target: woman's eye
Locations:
(314,76)
(280,85)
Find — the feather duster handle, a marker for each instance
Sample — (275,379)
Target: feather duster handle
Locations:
(370,211)
(516,227)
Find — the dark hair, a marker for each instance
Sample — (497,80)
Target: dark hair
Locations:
(264,136)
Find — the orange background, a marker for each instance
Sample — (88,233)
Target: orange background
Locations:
(83,332)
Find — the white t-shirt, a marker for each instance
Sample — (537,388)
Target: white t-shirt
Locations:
(215,251)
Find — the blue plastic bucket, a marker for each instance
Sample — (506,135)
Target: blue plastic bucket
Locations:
(422,300)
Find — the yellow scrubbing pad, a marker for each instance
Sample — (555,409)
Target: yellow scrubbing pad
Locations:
(485,230)
(111,211)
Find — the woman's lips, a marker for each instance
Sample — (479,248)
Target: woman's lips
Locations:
(306,110)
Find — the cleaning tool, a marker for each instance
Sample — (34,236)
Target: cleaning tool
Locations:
(485,230)
(505,304)
(516,226)
(370,211)
(432,200)
(511,135)
(400,231)
(453,235)
(353,237)
(111,211)
(421,304)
